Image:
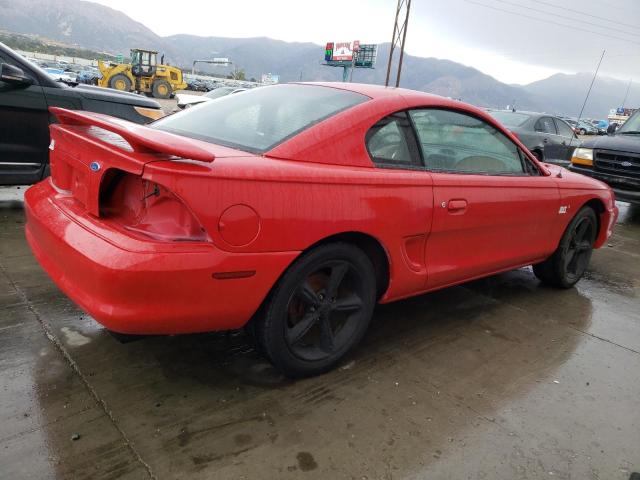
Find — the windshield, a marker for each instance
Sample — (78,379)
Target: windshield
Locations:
(509,119)
(259,119)
(219,92)
(631,125)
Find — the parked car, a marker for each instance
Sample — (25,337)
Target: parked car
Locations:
(300,206)
(601,126)
(185,100)
(60,75)
(548,137)
(26,91)
(614,159)
(585,128)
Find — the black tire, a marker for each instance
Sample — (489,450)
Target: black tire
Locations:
(568,263)
(318,311)
(120,82)
(538,154)
(161,89)
(583,131)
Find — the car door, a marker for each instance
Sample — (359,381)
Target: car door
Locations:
(392,145)
(568,139)
(493,208)
(546,129)
(24,129)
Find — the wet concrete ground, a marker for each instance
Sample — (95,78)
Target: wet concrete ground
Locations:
(498,379)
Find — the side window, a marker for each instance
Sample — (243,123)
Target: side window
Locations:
(564,129)
(545,125)
(456,142)
(390,142)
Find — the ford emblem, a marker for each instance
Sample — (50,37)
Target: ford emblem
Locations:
(95,166)
(626,164)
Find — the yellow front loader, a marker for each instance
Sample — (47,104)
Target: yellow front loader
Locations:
(143,75)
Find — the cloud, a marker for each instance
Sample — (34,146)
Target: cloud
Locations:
(516,41)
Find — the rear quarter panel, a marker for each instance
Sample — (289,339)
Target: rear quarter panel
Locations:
(300,204)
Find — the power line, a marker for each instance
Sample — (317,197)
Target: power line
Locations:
(551,22)
(597,25)
(560,7)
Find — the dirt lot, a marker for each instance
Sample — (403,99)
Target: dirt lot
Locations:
(497,379)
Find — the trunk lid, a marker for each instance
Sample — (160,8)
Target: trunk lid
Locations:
(88,148)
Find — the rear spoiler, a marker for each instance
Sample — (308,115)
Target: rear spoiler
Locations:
(142,139)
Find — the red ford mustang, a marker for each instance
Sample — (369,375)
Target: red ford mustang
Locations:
(294,209)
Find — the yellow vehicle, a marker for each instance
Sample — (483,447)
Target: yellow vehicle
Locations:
(143,75)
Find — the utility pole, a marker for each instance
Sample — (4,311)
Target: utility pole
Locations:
(399,36)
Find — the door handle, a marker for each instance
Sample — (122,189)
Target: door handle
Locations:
(457,206)
(545,140)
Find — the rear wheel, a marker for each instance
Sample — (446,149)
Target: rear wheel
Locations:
(318,311)
(120,82)
(568,263)
(583,131)
(161,89)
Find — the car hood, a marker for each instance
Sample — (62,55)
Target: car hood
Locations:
(115,96)
(623,143)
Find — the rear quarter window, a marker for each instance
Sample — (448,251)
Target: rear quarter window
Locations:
(257,120)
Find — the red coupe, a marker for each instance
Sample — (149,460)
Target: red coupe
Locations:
(294,209)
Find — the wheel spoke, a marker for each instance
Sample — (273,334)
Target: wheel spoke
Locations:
(581,231)
(349,304)
(570,259)
(326,334)
(300,329)
(308,294)
(583,246)
(335,279)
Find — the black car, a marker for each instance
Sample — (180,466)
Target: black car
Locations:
(548,137)
(614,159)
(26,93)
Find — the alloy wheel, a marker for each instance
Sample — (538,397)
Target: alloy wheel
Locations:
(579,247)
(324,312)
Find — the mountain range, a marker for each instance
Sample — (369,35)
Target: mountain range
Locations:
(97,27)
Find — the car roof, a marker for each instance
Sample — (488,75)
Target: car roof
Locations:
(375,91)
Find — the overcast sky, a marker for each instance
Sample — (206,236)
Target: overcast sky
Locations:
(515,41)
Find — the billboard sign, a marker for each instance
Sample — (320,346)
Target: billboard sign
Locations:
(341,51)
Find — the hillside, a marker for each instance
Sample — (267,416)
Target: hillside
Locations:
(96,27)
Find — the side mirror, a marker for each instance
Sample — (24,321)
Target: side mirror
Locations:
(14,75)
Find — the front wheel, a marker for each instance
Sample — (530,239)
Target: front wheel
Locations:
(538,154)
(583,131)
(120,82)
(318,311)
(161,89)
(568,263)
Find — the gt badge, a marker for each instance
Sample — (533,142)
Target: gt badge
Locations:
(563,209)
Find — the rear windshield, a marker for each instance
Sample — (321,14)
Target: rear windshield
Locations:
(510,119)
(259,119)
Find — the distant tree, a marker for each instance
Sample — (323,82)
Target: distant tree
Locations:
(253,79)
(238,74)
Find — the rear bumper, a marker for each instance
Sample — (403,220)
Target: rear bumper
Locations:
(137,287)
(626,189)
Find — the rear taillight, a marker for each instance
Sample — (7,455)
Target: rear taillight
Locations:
(147,209)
